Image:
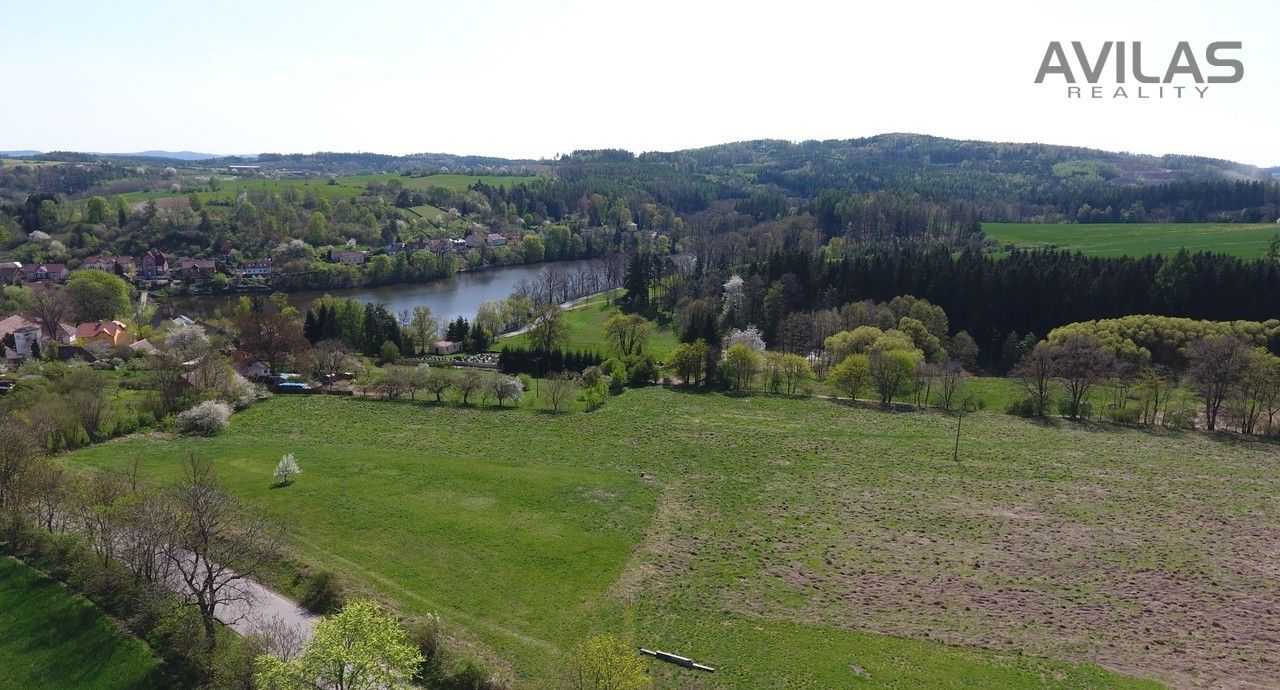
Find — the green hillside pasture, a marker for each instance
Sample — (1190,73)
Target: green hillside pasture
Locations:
(778,539)
(52,638)
(584,326)
(1246,240)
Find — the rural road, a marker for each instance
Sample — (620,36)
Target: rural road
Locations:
(258,605)
(567,305)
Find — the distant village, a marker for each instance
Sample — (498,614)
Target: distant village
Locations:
(155,269)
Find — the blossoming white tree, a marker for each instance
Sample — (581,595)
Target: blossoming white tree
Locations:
(287,469)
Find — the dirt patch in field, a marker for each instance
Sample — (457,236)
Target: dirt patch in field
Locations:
(663,554)
(1163,563)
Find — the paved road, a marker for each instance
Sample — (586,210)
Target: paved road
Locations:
(261,606)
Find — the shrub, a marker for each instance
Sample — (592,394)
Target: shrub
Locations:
(472,675)
(1023,408)
(322,593)
(1124,415)
(428,636)
(205,419)
(1180,418)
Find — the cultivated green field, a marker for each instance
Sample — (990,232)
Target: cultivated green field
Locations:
(52,638)
(789,542)
(447,181)
(584,325)
(1139,239)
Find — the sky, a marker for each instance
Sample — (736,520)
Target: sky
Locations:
(536,79)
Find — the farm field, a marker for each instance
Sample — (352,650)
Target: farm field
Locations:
(52,638)
(446,180)
(788,542)
(1247,240)
(584,325)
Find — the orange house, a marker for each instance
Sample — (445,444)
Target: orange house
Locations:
(111,333)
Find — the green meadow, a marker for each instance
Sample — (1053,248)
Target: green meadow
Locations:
(787,542)
(51,638)
(1247,240)
(584,329)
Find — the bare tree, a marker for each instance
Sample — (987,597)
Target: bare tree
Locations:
(48,307)
(437,381)
(560,388)
(17,454)
(333,356)
(1035,373)
(1216,365)
(951,375)
(467,383)
(96,511)
(145,517)
(210,534)
(1080,362)
(271,337)
(48,489)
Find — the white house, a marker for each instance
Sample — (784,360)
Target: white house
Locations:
(447,347)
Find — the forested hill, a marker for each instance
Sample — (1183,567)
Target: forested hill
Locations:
(1007,181)
(890,184)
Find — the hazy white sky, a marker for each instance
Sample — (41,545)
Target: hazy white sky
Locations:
(533,79)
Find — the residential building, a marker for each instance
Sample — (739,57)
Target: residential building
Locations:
(495,240)
(447,347)
(34,272)
(10,271)
(348,258)
(154,264)
(192,269)
(112,333)
(257,269)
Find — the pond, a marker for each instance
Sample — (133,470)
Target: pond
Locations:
(449,298)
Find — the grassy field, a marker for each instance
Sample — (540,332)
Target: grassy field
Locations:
(789,542)
(584,324)
(1139,239)
(447,181)
(52,638)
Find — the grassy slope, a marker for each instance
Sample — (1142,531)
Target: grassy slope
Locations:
(1139,239)
(51,638)
(526,531)
(585,330)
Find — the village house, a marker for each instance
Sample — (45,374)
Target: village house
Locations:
(475,240)
(192,269)
(34,272)
(26,335)
(259,268)
(119,265)
(154,264)
(11,324)
(112,333)
(144,347)
(447,347)
(10,271)
(495,240)
(100,262)
(250,368)
(348,258)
